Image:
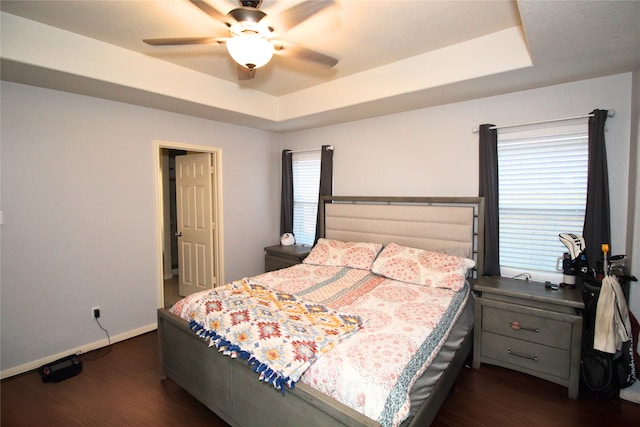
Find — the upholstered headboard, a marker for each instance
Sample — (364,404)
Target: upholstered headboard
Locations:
(451,224)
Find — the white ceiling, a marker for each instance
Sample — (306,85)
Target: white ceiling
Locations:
(394,55)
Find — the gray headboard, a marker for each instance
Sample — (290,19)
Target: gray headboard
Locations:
(434,223)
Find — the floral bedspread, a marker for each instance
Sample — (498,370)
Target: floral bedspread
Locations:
(404,327)
(280,335)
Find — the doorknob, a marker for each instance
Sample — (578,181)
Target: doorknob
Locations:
(178,234)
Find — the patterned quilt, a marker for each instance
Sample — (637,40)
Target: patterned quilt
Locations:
(404,327)
(372,371)
(279,335)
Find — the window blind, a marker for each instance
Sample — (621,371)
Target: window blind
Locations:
(306,183)
(542,185)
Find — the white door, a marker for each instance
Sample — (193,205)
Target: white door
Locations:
(194,179)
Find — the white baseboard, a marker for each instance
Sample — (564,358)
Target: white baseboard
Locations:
(79,350)
(632,393)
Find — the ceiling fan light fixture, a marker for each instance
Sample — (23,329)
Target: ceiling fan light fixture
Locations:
(250,50)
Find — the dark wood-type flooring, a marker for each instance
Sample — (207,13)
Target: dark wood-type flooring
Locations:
(125,388)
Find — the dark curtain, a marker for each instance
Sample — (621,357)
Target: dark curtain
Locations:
(286,204)
(326,180)
(489,190)
(597,226)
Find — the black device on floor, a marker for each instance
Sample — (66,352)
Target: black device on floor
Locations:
(61,369)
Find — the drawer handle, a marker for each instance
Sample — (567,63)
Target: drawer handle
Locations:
(516,326)
(526,356)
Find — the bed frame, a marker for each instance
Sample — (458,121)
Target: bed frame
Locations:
(230,388)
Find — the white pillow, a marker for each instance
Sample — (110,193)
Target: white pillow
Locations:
(336,253)
(422,267)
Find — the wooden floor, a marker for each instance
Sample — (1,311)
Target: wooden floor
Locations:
(125,387)
(171,288)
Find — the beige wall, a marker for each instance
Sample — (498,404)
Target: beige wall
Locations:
(433,152)
(633,237)
(79,204)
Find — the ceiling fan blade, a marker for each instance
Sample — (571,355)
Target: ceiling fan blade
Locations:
(184,40)
(293,16)
(299,52)
(209,10)
(245,73)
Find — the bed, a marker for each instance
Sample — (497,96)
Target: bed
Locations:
(229,387)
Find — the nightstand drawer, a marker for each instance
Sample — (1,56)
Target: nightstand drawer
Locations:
(536,357)
(530,327)
(524,326)
(279,256)
(276,263)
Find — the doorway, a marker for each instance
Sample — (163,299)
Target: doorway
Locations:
(167,218)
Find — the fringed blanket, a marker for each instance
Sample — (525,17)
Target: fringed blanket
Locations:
(278,334)
(406,325)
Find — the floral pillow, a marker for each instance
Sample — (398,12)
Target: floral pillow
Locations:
(422,267)
(336,253)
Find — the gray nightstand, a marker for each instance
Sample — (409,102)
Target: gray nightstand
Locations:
(524,326)
(279,256)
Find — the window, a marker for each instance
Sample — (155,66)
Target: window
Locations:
(542,186)
(306,183)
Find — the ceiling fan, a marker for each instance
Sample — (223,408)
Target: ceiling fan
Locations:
(250,43)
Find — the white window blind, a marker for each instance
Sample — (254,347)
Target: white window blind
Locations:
(542,185)
(306,183)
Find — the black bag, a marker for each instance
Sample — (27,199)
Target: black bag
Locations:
(596,374)
(624,366)
(602,374)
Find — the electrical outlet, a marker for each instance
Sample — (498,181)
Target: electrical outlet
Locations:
(95,312)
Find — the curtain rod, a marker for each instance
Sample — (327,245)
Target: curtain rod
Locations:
(610,113)
(308,151)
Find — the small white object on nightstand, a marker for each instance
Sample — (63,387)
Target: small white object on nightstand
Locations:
(287,239)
